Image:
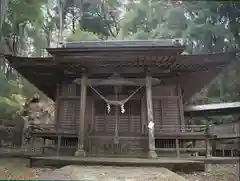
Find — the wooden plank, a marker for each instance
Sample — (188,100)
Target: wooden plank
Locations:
(181,149)
(151,137)
(80,151)
(98,70)
(120,137)
(133,71)
(113,81)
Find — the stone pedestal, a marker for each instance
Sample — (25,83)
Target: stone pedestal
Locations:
(152,154)
(208,167)
(80,153)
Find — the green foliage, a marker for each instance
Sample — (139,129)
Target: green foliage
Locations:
(203,25)
(9,106)
(82,35)
(23,20)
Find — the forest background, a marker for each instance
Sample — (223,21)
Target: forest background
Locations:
(28,27)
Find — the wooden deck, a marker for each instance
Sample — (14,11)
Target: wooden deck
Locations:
(216,160)
(173,164)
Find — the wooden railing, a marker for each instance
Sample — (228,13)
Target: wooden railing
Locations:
(227,130)
(163,128)
(182,128)
(51,128)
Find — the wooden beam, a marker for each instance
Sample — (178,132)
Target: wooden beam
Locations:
(114,82)
(131,71)
(41,74)
(151,137)
(81,151)
(114,50)
(33,64)
(118,57)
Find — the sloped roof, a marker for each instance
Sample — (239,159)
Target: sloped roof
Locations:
(131,58)
(123,43)
(40,71)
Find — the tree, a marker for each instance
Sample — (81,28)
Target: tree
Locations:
(17,20)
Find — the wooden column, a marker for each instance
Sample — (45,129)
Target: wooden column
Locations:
(207,143)
(151,137)
(181,110)
(80,151)
(177,147)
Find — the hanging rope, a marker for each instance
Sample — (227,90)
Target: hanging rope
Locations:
(116,102)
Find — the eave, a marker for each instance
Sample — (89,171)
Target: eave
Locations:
(212,109)
(193,71)
(40,71)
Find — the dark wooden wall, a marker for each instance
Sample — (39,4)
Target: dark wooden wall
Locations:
(132,125)
(68,107)
(167,107)
(129,122)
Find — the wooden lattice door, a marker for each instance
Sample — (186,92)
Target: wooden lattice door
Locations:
(128,122)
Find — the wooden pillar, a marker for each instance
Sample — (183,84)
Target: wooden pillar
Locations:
(208,167)
(223,152)
(25,126)
(194,146)
(58,145)
(177,147)
(56,113)
(207,143)
(80,151)
(151,137)
(214,148)
(44,145)
(32,143)
(181,110)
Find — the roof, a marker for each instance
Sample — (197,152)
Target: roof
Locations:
(213,109)
(111,45)
(123,43)
(40,71)
(128,58)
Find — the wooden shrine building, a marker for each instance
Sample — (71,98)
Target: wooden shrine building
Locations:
(121,97)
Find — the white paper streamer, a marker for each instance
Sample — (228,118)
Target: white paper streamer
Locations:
(150,125)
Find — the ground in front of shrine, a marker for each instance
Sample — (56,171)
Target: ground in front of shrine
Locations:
(12,168)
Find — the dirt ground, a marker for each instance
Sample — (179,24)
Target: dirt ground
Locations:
(17,169)
(218,173)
